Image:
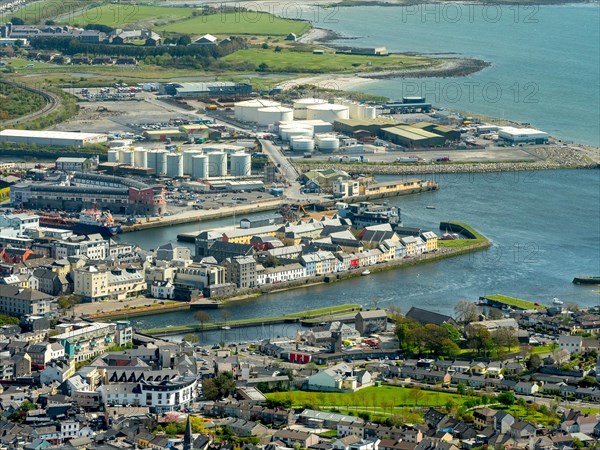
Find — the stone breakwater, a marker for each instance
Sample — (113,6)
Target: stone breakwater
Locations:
(551,158)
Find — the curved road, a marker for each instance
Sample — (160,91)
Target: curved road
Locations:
(52,103)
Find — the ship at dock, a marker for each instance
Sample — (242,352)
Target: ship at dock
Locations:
(365,214)
(90,221)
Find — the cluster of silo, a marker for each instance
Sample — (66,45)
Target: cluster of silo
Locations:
(241,165)
(357,110)
(328,112)
(157,160)
(301,106)
(188,154)
(247,111)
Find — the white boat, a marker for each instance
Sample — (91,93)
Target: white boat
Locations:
(226,327)
(366,272)
(556,301)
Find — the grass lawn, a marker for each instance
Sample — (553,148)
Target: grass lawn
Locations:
(246,23)
(307,62)
(382,399)
(460,243)
(37,12)
(512,301)
(119,15)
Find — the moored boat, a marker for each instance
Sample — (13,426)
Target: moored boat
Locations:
(364,273)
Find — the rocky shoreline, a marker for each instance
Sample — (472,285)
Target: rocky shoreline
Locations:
(553,158)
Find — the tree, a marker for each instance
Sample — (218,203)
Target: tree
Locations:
(588,382)
(17,21)
(481,340)
(262,67)
(265,46)
(417,394)
(466,311)
(202,317)
(534,362)
(495,314)
(507,398)
(506,337)
(184,40)
(191,338)
(453,333)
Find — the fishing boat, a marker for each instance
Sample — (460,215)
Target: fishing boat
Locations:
(556,301)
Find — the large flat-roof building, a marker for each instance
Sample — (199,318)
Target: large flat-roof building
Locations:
(408,136)
(212,89)
(512,134)
(361,126)
(51,138)
(118,194)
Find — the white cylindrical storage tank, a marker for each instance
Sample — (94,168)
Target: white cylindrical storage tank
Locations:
(188,154)
(273,114)
(329,144)
(200,167)
(126,157)
(157,160)
(174,165)
(241,165)
(354,110)
(328,112)
(370,112)
(140,157)
(113,156)
(217,164)
(301,105)
(247,111)
(289,133)
(302,144)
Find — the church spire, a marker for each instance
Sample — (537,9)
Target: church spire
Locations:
(187,437)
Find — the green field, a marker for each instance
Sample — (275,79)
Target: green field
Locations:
(460,243)
(308,62)
(246,23)
(383,400)
(512,301)
(119,15)
(37,12)
(17,102)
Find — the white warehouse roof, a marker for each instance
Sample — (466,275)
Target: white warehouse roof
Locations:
(49,134)
(529,132)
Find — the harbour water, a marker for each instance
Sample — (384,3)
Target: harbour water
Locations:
(545,229)
(545,60)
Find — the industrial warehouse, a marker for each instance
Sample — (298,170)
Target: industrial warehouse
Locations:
(51,138)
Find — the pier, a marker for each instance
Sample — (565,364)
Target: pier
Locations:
(299,317)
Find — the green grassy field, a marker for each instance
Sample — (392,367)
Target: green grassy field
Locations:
(307,62)
(512,301)
(247,23)
(385,400)
(119,15)
(37,12)
(17,102)
(460,243)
